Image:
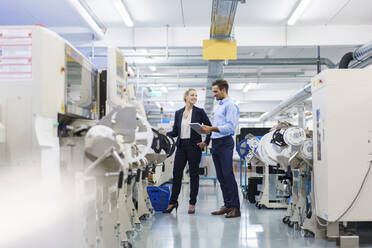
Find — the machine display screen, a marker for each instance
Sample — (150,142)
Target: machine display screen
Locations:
(81,86)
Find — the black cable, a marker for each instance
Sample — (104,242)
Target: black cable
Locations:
(120,180)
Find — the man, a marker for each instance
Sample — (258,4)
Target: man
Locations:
(225,119)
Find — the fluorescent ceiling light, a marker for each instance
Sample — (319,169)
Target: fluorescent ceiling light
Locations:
(152,68)
(250,86)
(123,13)
(298,11)
(144,51)
(158,104)
(87,17)
(164,89)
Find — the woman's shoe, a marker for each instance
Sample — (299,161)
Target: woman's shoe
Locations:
(170,209)
(191,209)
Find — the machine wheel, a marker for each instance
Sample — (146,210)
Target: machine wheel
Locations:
(245,194)
(286,219)
(296,226)
(126,244)
(307,234)
(259,206)
(308,214)
(290,224)
(256,204)
(138,226)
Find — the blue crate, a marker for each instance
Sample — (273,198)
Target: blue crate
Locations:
(159,197)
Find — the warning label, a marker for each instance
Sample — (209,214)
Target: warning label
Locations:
(15,54)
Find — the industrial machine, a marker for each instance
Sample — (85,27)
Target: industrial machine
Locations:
(288,148)
(50,104)
(42,78)
(116,159)
(271,196)
(342,147)
(275,149)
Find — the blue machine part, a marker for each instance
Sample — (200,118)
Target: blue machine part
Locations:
(246,145)
(243,148)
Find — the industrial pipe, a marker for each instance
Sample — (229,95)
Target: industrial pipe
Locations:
(361,54)
(299,96)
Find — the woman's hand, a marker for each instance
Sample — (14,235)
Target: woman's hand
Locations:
(202,145)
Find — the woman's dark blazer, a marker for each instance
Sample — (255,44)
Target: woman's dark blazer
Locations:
(199,116)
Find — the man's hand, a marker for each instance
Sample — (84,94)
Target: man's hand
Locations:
(205,129)
(202,145)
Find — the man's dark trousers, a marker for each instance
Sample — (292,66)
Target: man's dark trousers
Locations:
(222,153)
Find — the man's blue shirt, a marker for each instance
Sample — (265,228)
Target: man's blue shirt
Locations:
(226,117)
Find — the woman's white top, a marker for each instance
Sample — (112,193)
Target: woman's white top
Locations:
(185,127)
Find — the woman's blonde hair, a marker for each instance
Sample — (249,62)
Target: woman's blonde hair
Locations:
(187,92)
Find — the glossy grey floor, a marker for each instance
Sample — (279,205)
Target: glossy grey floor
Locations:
(255,228)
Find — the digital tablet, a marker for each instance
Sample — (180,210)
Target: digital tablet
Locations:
(196,127)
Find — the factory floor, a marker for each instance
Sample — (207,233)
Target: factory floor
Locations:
(255,228)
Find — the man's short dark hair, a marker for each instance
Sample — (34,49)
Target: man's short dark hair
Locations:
(222,84)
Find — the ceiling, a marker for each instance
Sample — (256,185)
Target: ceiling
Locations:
(148,13)
(275,82)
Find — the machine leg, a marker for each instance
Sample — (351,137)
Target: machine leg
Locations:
(143,211)
(333,230)
(349,241)
(301,204)
(311,225)
(293,218)
(264,196)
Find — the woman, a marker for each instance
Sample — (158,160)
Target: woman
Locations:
(189,149)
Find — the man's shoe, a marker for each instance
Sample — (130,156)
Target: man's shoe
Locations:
(233,213)
(223,210)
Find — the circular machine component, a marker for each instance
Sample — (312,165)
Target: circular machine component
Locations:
(99,139)
(253,142)
(264,144)
(173,146)
(243,148)
(163,142)
(286,219)
(277,137)
(271,153)
(167,144)
(306,150)
(294,136)
(156,145)
(246,145)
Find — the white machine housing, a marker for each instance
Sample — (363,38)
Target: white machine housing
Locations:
(342,107)
(41,75)
(117,74)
